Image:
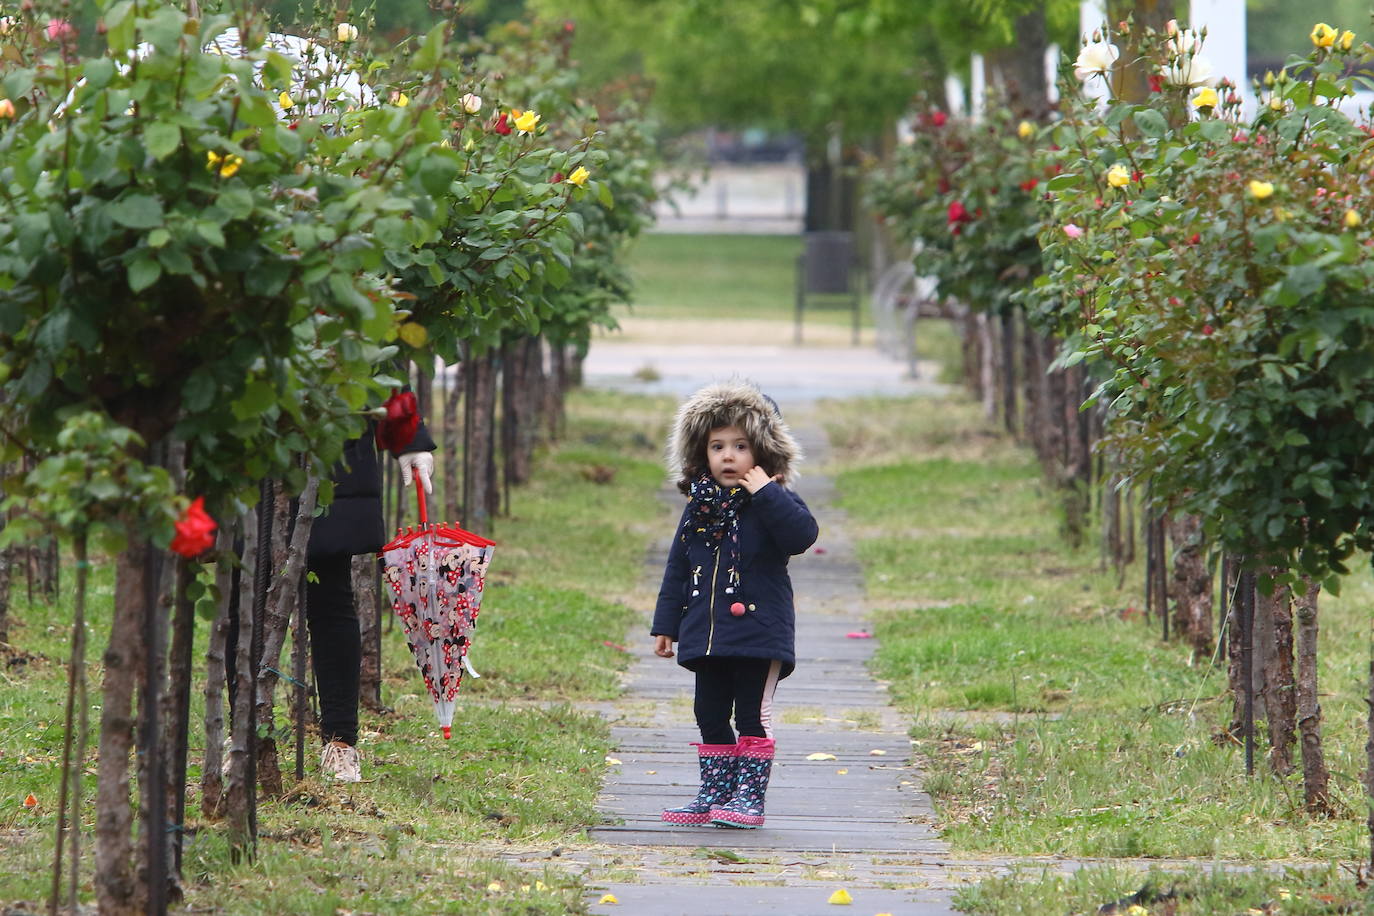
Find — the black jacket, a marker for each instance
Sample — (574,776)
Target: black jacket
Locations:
(353,523)
(693,607)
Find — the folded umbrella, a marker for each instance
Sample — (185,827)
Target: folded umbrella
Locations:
(436,575)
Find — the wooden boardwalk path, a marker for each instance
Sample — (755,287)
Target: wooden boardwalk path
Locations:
(859,822)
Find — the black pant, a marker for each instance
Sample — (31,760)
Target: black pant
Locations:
(744,685)
(336,645)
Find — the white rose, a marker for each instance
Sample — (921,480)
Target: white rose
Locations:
(472,103)
(346,32)
(1096,57)
(1191,70)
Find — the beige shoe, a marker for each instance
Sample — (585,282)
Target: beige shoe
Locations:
(339,762)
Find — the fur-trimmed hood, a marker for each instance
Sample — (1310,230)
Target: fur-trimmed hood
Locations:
(733,403)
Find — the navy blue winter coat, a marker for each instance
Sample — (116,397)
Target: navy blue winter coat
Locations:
(693,607)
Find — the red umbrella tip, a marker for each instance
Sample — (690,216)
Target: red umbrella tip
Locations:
(448,732)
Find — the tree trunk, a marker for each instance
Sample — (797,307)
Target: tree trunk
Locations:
(1130,80)
(365,599)
(176,717)
(1192,585)
(212,773)
(152,783)
(987,367)
(453,474)
(1007,351)
(1315,778)
(1018,70)
(1280,691)
(282,598)
(555,393)
(478,451)
(6,564)
(240,785)
(530,397)
(115,889)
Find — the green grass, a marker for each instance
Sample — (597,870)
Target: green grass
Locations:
(419,834)
(1192,892)
(1049,717)
(714,276)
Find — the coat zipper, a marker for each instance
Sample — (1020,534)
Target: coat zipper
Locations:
(711,633)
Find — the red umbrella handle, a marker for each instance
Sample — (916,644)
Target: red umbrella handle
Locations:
(420,498)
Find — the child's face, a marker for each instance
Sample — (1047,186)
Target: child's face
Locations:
(728,455)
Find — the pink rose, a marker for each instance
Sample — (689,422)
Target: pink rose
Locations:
(1073,231)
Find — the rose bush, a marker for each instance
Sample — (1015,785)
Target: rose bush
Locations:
(1224,285)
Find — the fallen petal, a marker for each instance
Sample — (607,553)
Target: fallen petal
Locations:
(877,752)
(841,897)
(612,761)
(820,756)
(608,898)
(859,634)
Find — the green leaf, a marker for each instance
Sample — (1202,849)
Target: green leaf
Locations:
(98,71)
(143,273)
(137,211)
(1151,122)
(1064,181)
(431,50)
(256,399)
(162,139)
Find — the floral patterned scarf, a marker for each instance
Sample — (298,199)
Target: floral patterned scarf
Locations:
(713,514)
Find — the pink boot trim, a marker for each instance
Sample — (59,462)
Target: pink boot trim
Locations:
(685,819)
(715,750)
(759,748)
(727,818)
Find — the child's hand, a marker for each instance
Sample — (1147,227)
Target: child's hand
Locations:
(756,478)
(663,647)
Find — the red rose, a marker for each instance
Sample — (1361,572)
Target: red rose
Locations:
(957,214)
(1194,238)
(1207,330)
(195,531)
(402,420)
(557,177)
(1156,82)
(502,124)
(1029,184)
(938,118)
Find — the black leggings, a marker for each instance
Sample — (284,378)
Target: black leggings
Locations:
(744,685)
(336,645)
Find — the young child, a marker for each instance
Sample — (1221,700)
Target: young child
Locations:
(726,598)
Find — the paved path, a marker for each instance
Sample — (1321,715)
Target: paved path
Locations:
(860,821)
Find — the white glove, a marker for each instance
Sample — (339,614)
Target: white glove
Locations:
(418,464)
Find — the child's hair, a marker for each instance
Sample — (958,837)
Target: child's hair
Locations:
(734,403)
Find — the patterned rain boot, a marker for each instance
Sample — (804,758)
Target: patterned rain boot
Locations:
(717,785)
(745,809)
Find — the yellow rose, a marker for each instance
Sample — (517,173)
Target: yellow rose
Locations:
(525,121)
(1118,176)
(579,176)
(1352,219)
(1259,190)
(212,160)
(1275,103)
(285,101)
(346,32)
(6,108)
(1323,36)
(1206,98)
(401,100)
(230,167)
(1347,40)
(1025,130)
